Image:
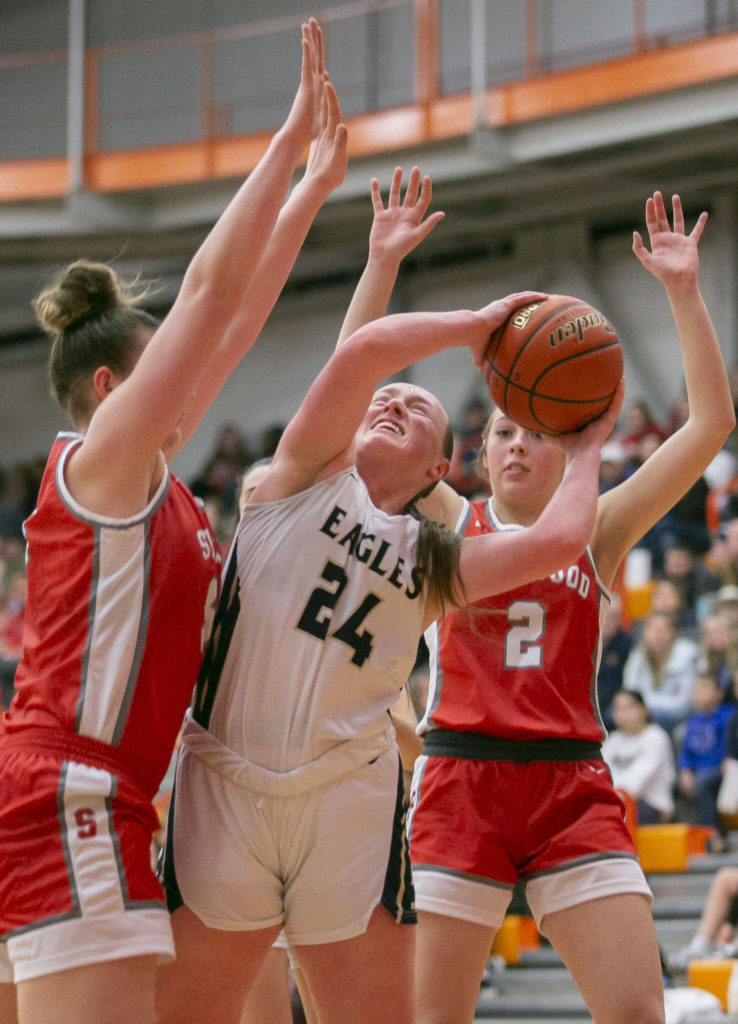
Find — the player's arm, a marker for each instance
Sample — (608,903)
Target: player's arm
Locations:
(627,511)
(443,505)
(396,230)
(405,722)
(493,563)
(326,169)
(147,406)
(319,439)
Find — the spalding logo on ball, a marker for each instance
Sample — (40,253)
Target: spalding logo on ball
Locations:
(554,365)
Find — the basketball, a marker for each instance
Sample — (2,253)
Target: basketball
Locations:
(553,365)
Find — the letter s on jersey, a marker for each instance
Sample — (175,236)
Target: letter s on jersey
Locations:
(85,821)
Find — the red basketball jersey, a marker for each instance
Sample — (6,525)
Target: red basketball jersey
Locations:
(118,613)
(523,664)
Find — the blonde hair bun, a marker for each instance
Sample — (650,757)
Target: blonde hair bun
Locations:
(82,290)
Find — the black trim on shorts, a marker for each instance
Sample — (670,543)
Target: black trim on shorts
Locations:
(476,746)
(165,864)
(221,634)
(398,894)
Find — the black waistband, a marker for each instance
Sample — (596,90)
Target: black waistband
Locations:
(476,746)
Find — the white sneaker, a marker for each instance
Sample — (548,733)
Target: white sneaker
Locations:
(699,948)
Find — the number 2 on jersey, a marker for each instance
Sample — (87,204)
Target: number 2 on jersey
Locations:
(521,649)
(317,615)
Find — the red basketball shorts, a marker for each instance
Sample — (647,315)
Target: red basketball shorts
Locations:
(482,825)
(76,879)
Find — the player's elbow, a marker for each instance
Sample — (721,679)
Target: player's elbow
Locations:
(711,431)
(728,421)
(365,349)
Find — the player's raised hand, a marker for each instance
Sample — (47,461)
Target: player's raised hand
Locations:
(597,431)
(401,225)
(496,313)
(304,119)
(328,156)
(673,254)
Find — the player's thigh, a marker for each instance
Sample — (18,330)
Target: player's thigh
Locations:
(450,959)
(8,1003)
(113,992)
(610,947)
(268,1001)
(213,973)
(365,979)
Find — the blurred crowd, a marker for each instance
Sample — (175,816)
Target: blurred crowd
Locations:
(668,680)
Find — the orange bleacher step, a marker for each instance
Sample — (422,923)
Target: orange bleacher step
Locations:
(663,848)
(712,976)
(516,933)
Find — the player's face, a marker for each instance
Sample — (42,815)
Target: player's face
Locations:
(524,468)
(404,425)
(251,479)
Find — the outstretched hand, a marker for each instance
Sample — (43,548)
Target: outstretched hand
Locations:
(328,156)
(400,226)
(673,254)
(304,118)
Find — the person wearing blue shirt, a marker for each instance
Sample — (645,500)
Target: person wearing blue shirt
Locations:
(703,751)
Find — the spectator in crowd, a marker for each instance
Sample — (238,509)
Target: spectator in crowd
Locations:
(678,412)
(667,597)
(723,556)
(613,465)
(18,489)
(640,757)
(463,475)
(685,524)
(616,644)
(731,736)
(270,439)
(689,571)
(662,667)
(715,935)
(725,603)
(719,652)
(702,752)
(11,511)
(639,425)
(222,474)
(722,501)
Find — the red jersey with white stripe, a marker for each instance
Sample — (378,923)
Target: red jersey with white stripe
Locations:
(117,616)
(521,665)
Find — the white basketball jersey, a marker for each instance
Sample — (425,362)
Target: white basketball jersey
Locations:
(317,629)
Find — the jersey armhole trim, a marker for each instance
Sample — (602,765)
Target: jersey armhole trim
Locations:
(92,518)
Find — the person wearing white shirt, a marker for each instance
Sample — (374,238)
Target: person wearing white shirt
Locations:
(640,757)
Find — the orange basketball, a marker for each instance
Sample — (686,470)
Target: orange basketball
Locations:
(554,365)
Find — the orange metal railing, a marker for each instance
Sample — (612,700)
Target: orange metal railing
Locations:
(217,150)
